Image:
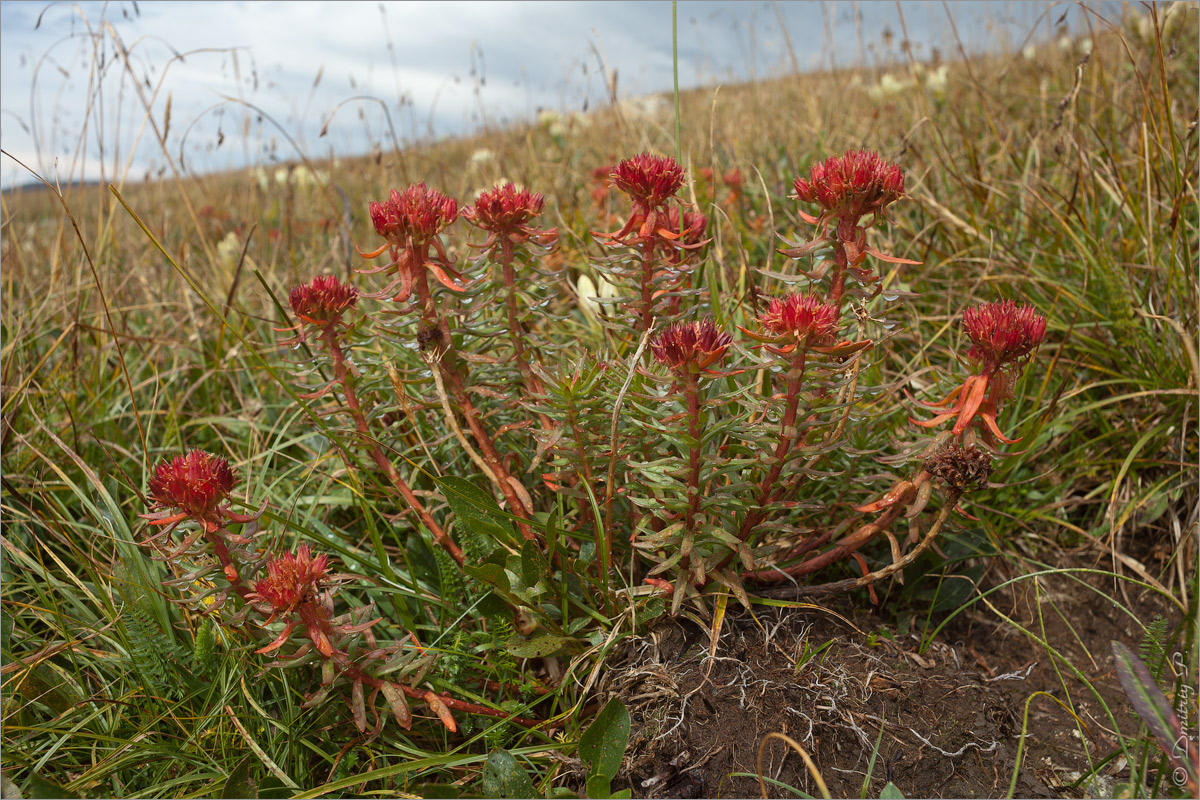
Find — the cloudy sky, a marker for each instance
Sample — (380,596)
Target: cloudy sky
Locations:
(241,78)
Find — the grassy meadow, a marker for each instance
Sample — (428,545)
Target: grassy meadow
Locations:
(142,320)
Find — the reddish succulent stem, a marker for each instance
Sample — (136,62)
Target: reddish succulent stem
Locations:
(342,373)
(837,281)
(491,455)
(692,389)
(222,552)
(647,300)
(355,673)
(320,630)
(787,436)
(514,326)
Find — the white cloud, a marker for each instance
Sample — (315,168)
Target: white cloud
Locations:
(525,56)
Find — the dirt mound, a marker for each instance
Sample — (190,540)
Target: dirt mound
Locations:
(947,719)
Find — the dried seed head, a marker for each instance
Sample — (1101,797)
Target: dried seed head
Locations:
(963,469)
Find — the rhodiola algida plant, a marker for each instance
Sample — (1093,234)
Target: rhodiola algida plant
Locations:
(544,476)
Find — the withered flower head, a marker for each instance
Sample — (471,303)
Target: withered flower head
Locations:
(687,345)
(414,216)
(1002,332)
(963,469)
(291,579)
(195,483)
(323,300)
(691,225)
(649,180)
(799,316)
(854,184)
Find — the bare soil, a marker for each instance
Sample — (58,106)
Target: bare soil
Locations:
(838,679)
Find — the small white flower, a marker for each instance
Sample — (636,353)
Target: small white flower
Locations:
(593,294)
(229,250)
(482,156)
(888,85)
(936,80)
(1029,53)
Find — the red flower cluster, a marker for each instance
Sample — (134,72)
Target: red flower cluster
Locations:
(322,301)
(414,216)
(291,580)
(410,223)
(690,227)
(852,185)
(799,317)
(1002,333)
(690,346)
(649,180)
(505,213)
(195,485)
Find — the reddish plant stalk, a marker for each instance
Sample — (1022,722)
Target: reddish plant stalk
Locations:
(320,630)
(647,299)
(692,389)
(845,546)
(491,455)
(342,373)
(837,281)
(227,566)
(787,436)
(532,382)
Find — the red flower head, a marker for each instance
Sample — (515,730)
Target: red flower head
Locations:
(413,217)
(687,229)
(410,223)
(291,580)
(506,211)
(1002,333)
(195,485)
(322,301)
(735,181)
(690,225)
(649,180)
(690,346)
(851,186)
(799,317)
